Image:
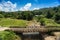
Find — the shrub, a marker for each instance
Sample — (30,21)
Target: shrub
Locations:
(8,35)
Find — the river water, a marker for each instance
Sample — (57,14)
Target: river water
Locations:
(32,36)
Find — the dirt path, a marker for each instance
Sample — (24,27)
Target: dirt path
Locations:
(3,28)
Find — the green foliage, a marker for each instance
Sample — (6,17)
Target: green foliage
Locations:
(50,23)
(49,15)
(57,18)
(45,21)
(39,15)
(26,15)
(40,18)
(8,35)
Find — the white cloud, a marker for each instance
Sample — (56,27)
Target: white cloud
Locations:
(26,7)
(36,9)
(0,8)
(6,10)
(7,6)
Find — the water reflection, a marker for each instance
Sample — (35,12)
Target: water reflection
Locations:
(32,36)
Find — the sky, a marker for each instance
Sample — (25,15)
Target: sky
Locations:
(25,5)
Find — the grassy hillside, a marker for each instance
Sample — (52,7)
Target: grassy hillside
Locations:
(6,22)
(50,23)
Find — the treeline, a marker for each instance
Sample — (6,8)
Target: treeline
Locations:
(50,13)
(25,15)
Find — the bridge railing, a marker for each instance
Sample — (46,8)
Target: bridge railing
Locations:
(34,29)
(52,26)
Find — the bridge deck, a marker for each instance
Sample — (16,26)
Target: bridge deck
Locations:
(34,29)
(30,29)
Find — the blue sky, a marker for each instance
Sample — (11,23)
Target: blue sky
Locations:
(24,5)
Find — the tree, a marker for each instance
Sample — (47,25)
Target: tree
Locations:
(57,18)
(26,15)
(40,18)
(8,35)
(49,14)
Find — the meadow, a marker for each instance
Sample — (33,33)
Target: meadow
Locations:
(7,22)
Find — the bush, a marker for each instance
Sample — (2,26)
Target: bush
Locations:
(8,35)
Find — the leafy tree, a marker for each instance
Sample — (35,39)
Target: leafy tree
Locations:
(26,15)
(8,35)
(57,18)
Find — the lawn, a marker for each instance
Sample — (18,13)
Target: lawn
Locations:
(7,22)
(51,23)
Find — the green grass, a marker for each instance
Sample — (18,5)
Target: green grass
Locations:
(6,22)
(51,23)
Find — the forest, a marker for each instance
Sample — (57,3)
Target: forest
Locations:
(46,16)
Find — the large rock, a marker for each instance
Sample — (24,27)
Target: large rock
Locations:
(57,34)
(50,38)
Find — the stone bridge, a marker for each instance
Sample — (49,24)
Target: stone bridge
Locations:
(34,29)
(45,33)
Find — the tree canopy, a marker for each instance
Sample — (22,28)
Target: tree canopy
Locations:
(50,13)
